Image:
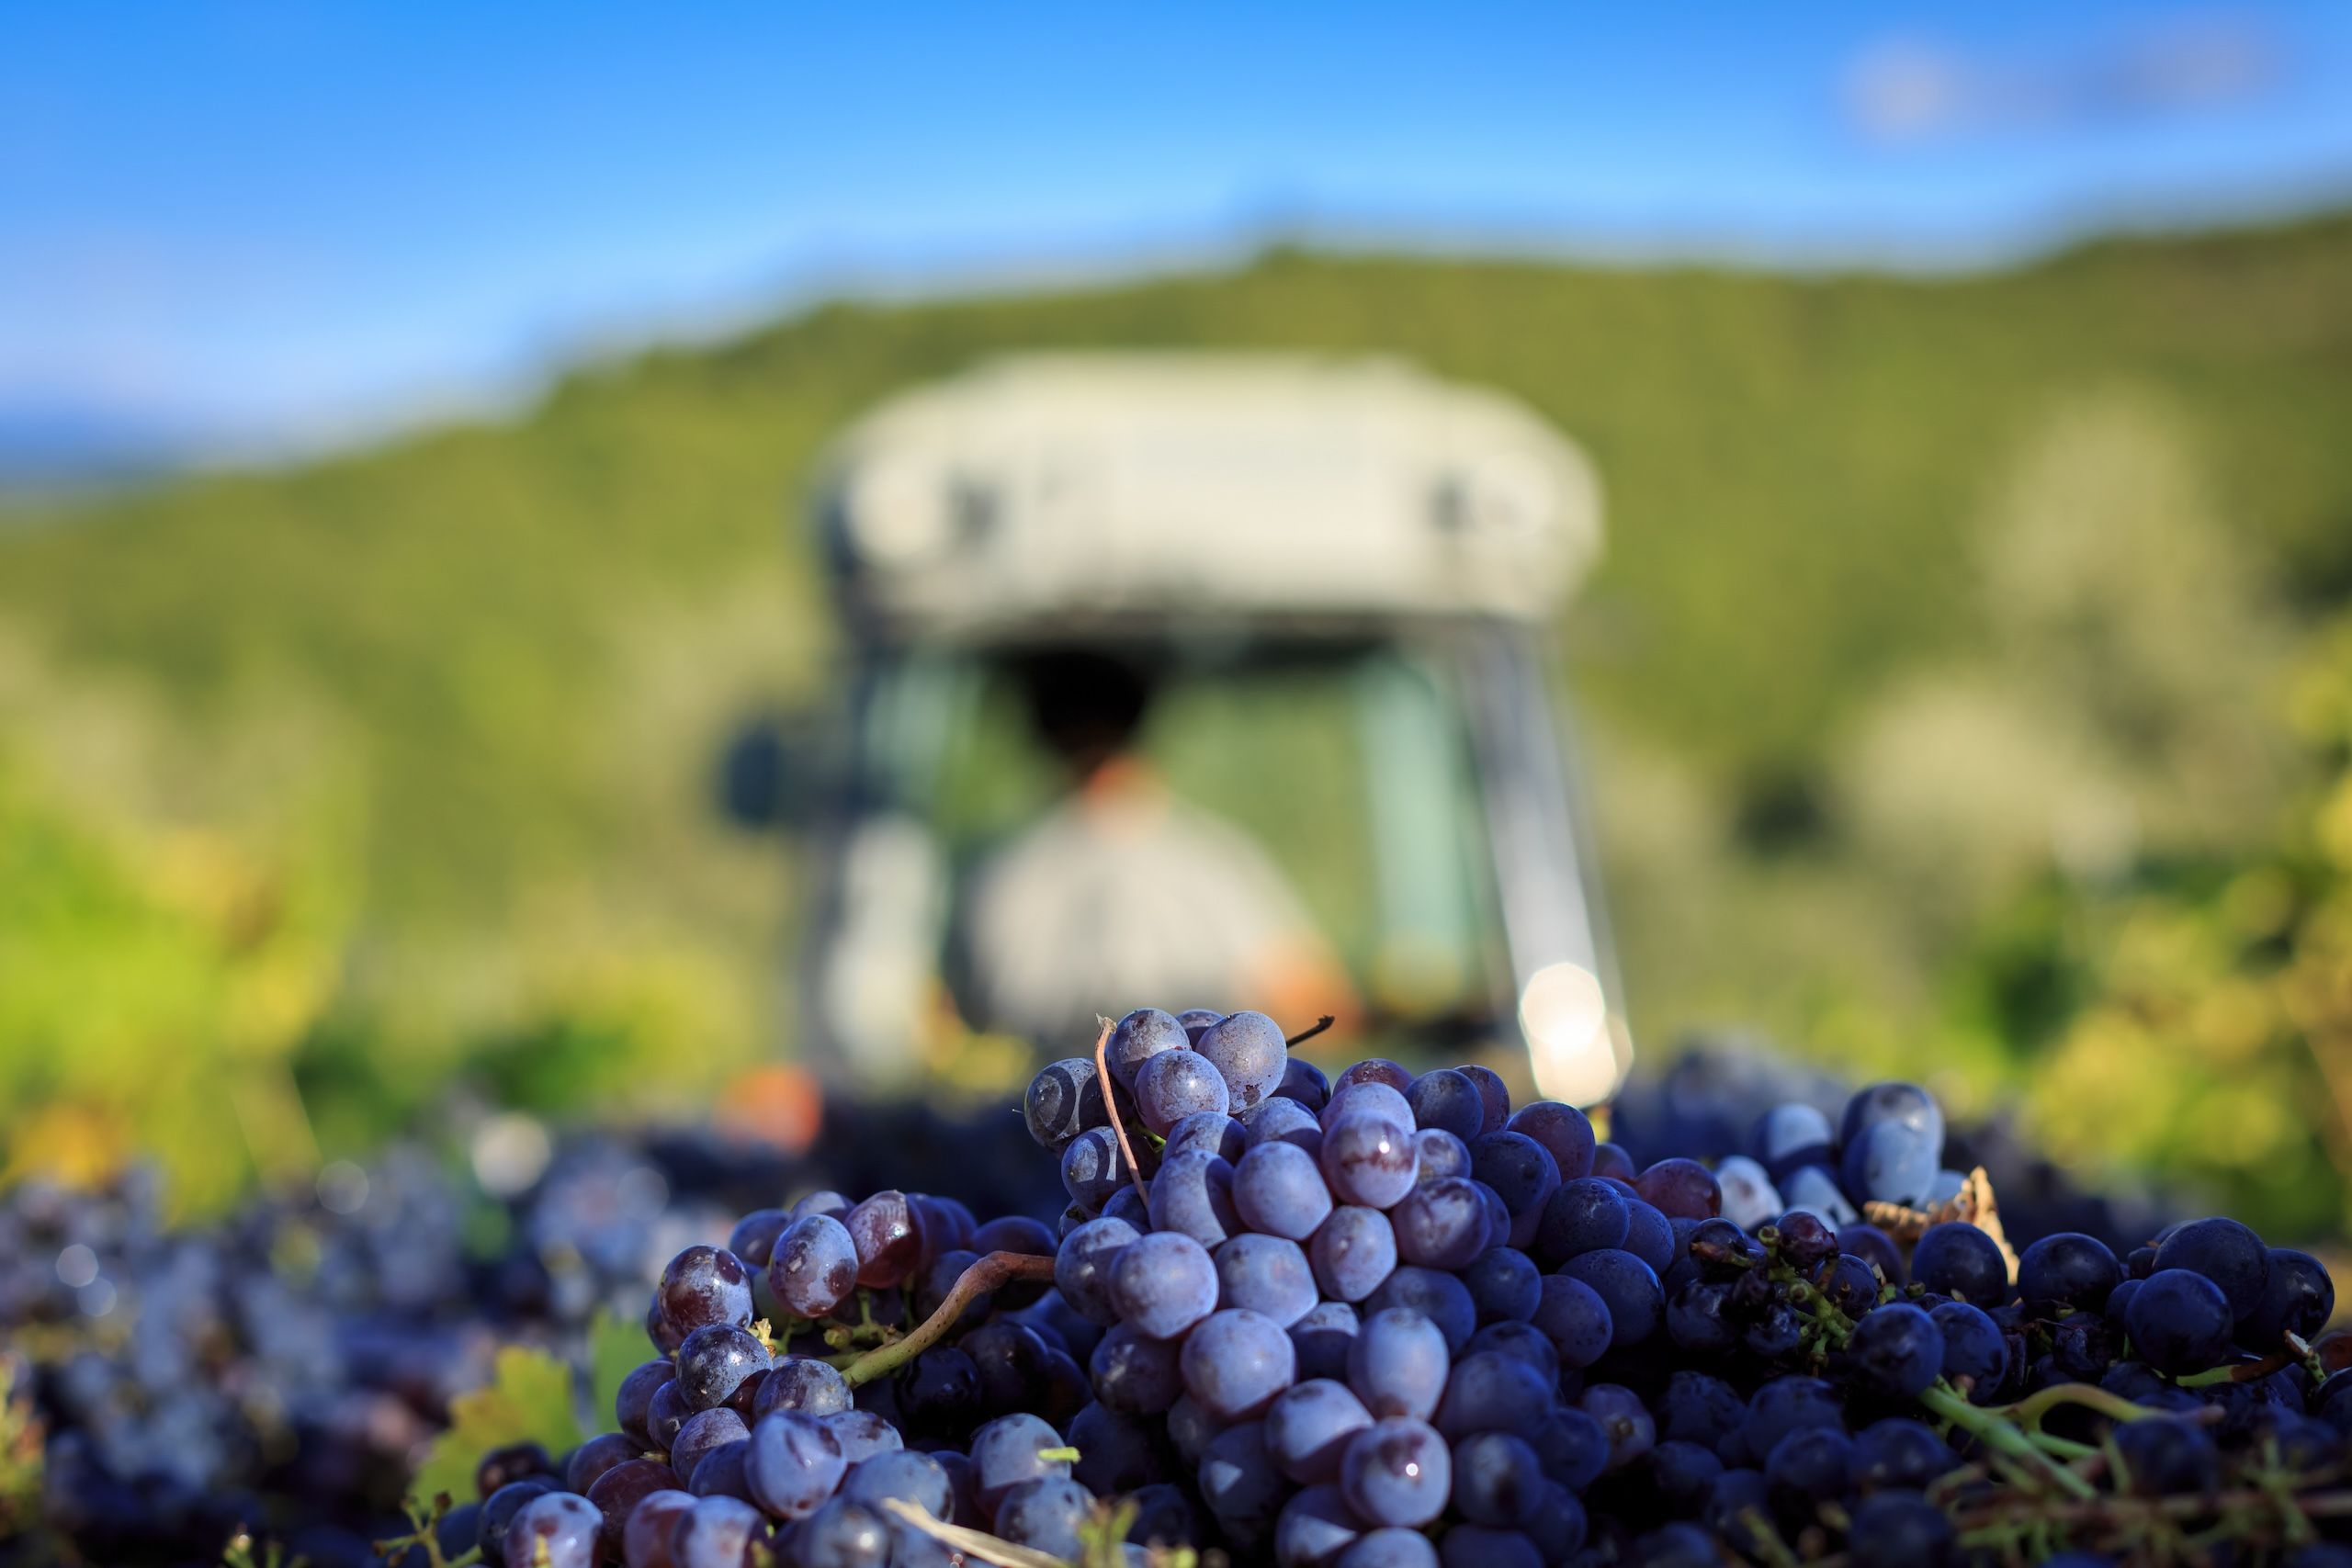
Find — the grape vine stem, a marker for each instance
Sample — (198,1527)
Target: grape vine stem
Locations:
(972,1543)
(1111,1104)
(996,1270)
(1322,1023)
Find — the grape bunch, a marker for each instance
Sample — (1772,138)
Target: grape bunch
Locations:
(1390,1320)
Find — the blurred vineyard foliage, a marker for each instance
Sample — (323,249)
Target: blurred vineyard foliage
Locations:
(1965,683)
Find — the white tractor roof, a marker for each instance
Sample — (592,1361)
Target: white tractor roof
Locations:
(1036,493)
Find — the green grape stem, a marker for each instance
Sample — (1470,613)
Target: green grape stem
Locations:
(996,1270)
(1995,1428)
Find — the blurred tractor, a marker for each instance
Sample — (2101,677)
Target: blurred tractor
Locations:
(1304,601)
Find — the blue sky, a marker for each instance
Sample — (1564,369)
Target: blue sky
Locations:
(263,224)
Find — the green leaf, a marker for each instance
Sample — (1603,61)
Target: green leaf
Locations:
(529,1399)
(615,1348)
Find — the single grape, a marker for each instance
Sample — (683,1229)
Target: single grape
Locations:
(1398,1364)
(1901,1105)
(2299,1299)
(903,1476)
(1497,1481)
(618,1491)
(1237,1361)
(1521,1170)
(2224,1252)
(1352,1253)
(1396,1472)
(862,1434)
(1303,1082)
(1194,1194)
(717,1532)
(1573,1447)
(1082,1267)
(1240,1483)
(1267,1274)
(1750,1199)
(1447,1099)
(1439,1224)
(1321,1339)
(2068,1269)
(841,1534)
(1279,1188)
(561,1529)
(1522,1341)
(1976,1354)
(1208,1133)
(1135,1375)
(1813,1189)
(1680,1188)
(1437,1295)
(595,1457)
(1491,1393)
(1504,1285)
(1247,1052)
(1163,1283)
(714,1360)
(1958,1261)
(1897,1350)
(1177,1084)
(1118,1452)
(1307,1428)
(887,1237)
(1807,1469)
(1196,1019)
(704,1285)
(1787,1405)
(1314,1528)
(631,1405)
(664,1414)
(1438,1153)
(1649,1235)
(1093,1167)
(1898,1453)
(1047,1515)
(702,1432)
(1136,1038)
(1626,1422)
(498,1512)
(1063,1100)
(1369,1097)
(1494,1099)
(1585,1215)
(2179,1321)
(1368,1159)
(1374,1069)
(794,1463)
(804,1384)
(1280,1120)
(1630,1288)
(1892,1163)
(1875,1247)
(652,1525)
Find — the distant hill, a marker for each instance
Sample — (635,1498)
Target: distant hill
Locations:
(510,648)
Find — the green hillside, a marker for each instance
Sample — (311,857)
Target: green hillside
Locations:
(468,685)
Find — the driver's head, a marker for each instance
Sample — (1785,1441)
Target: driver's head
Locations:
(1086,707)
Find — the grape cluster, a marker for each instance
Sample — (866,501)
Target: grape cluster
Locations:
(283,1367)
(1390,1320)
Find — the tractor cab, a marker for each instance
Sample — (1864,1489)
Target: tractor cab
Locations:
(1317,594)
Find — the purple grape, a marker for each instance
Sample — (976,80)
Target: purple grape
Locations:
(1163,1283)
(1368,1159)
(1177,1084)
(1136,1038)
(1396,1472)
(705,1285)
(1279,1189)
(1352,1253)
(564,1527)
(1247,1052)
(1398,1364)
(1267,1274)
(1236,1361)
(1307,1428)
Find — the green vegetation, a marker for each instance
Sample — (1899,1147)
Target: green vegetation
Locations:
(1933,608)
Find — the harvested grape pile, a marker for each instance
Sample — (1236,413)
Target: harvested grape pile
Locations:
(281,1368)
(1392,1321)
